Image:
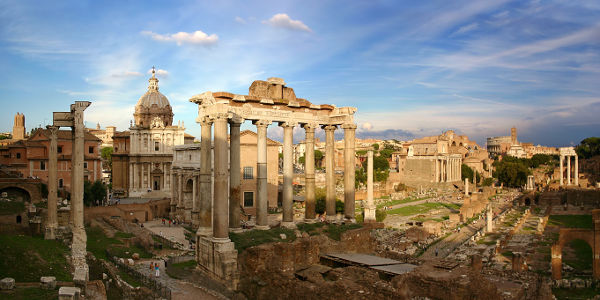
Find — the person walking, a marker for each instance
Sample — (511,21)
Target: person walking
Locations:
(151,266)
(157,268)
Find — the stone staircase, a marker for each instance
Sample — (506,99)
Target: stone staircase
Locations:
(550,197)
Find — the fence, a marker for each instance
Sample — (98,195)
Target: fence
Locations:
(148,281)
(166,242)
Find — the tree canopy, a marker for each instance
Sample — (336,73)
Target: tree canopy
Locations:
(589,147)
(106,154)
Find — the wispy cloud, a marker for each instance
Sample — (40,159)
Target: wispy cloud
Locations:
(240,20)
(125,74)
(465,29)
(159,72)
(284,21)
(194,38)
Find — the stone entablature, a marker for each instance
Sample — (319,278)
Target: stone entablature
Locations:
(568,153)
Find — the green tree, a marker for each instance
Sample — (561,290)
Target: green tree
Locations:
(318,158)
(93,192)
(588,147)
(375,146)
(540,159)
(381,168)
(106,154)
(512,173)
(466,172)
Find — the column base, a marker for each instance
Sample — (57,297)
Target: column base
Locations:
(288,225)
(195,218)
(218,258)
(262,227)
(350,220)
(311,221)
(50,233)
(204,232)
(236,229)
(331,219)
(370,215)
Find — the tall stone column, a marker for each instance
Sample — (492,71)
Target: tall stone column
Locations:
(195,200)
(164,169)
(437,170)
(568,169)
(235,182)
(221,177)
(576,170)
(369,205)
(262,221)
(489,218)
(52,223)
(288,174)
(78,248)
(466,187)
(349,165)
(309,173)
(150,187)
(174,191)
(561,169)
(205,224)
(130,185)
(180,204)
(330,171)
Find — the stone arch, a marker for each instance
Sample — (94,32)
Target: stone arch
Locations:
(17,193)
(527,201)
(453,143)
(566,235)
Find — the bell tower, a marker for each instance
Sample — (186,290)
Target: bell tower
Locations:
(18,132)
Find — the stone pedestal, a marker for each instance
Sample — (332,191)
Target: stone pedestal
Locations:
(69,293)
(48,282)
(7,283)
(218,258)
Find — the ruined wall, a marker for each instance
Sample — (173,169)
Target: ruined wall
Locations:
(140,211)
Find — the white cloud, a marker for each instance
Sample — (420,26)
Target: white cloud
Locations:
(124,74)
(159,72)
(195,38)
(466,28)
(367,126)
(240,20)
(284,21)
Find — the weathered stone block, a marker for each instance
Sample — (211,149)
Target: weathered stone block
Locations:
(48,282)
(7,283)
(69,293)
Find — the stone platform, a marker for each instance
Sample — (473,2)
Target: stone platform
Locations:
(218,258)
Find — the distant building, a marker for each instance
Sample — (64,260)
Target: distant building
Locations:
(143,155)
(106,135)
(509,145)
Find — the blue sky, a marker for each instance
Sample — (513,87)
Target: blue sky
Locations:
(412,68)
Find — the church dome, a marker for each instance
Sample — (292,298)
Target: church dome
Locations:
(152,105)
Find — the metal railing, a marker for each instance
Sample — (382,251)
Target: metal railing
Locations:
(149,281)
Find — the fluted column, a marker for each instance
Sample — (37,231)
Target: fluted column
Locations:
(174,191)
(330,172)
(205,224)
(150,187)
(262,221)
(288,174)
(568,170)
(561,169)
(180,204)
(349,165)
(52,222)
(195,200)
(164,183)
(130,185)
(576,170)
(369,205)
(309,172)
(221,201)
(235,192)
(437,170)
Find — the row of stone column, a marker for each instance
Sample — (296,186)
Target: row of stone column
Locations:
(447,169)
(227,213)
(576,170)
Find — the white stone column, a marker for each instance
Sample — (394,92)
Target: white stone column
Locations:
(437,170)
(369,205)
(466,187)
(576,170)
(262,221)
(180,204)
(489,219)
(330,171)
(194,193)
(309,172)
(349,166)
(164,169)
(235,193)
(568,169)
(174,191)
(561,170)
(288,174)
(130,185)
(52,222)
(221,177)
(205,224)
(150,187)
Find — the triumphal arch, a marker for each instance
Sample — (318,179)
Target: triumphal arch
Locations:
(267,103)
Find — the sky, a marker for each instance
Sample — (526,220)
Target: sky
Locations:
(411,68)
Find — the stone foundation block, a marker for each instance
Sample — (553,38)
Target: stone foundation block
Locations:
(219,258)
(48,282)
(69,293)
(7,283)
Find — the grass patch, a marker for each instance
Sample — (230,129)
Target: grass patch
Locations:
(179,270)
(98,243)
(123,235)
(31,293)
(257,237)
(421,208)
(508,254)
(585,293)
(11,207)
(572,221)
(312,229)
(583,255)
(129,279)
(401,201)
(27,258)
(334,231)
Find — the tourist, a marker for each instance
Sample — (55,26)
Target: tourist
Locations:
(151,266)
(169,222)
(163,221)
(157,268)
(436,252)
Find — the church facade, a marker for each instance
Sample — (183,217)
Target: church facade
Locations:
(143,155)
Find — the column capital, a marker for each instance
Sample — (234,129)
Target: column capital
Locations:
(349,126)
(329,127)
(206,120)
(310,127)
(288,124)
(236,121)
(261,123)
(220,116)
(53,129)
(80,105)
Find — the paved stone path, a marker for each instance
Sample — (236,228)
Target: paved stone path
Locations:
(170,232)
(180,289)
(447,245)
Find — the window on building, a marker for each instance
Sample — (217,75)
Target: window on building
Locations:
(59,149)
(91,149)
(85,164)
(42,165)
(18,155)
(156,146)
(248,199)
(248,173)
(60,183)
